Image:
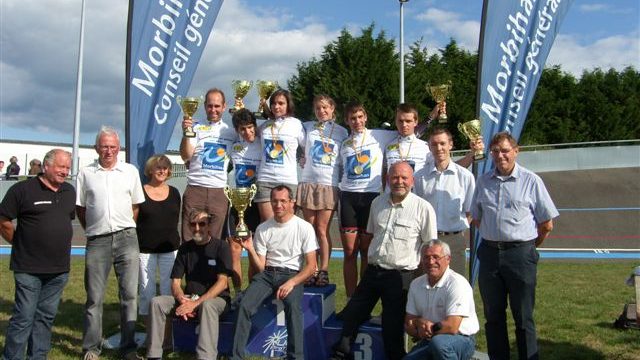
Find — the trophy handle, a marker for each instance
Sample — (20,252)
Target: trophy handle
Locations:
(227,193)
(253,189)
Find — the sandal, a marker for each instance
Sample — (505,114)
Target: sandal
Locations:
(322,278)
(311,281)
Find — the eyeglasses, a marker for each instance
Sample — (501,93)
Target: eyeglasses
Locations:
(200,224)
(501,151)
(434,257)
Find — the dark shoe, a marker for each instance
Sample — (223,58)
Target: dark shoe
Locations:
(342,350)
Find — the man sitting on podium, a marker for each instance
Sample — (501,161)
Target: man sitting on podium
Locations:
(281,245)
(206,265)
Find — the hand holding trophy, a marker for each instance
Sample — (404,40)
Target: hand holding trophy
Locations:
(240,198)
(241,89)
(440,93)
(472,130)
(265,89)
(189,107)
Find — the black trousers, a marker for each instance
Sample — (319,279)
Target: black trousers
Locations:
(391,286)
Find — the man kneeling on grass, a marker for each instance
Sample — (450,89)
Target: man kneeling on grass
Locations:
(441,313)
(206,265)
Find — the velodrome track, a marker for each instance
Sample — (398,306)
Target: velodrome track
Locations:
(599,216)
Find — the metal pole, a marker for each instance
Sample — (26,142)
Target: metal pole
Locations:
(76,120)
(402,50)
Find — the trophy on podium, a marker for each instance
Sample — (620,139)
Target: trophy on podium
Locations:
(189,107)
(472,130)
(240,198)
(265,89)
(241,89)
(439,93)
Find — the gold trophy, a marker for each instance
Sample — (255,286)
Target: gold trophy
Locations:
(189,107)
(241,89)
(240,198)
(472,130)
(439,93)
(265,89)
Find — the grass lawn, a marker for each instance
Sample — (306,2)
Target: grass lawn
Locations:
(577,301)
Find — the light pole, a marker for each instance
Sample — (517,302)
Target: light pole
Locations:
(402,49)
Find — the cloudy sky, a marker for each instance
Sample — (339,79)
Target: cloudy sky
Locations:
(252,39)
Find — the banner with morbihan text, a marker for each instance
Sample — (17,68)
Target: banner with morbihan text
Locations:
(515,39)
(165,40)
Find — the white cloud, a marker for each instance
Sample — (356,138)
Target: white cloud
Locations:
(38,60)
(452,25)
(610,52)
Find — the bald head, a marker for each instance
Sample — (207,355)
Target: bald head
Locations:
(400,179)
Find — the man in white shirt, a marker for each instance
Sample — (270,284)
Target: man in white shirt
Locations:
(400,223)
(441,312)
(208,157)
(282,245)
(448,187)
(108,195)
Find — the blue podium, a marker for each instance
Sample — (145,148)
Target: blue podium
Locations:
(269,333)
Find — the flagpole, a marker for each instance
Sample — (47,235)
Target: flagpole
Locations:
(76,120)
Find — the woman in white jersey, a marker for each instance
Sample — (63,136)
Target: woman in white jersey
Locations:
(281,136)
(318,189)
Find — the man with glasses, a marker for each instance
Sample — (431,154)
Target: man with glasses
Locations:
(108,196)
(514,214)
(282,245)
(205,263)
(441,312)
(401,222)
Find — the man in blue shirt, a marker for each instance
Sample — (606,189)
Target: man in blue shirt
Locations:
(514,214)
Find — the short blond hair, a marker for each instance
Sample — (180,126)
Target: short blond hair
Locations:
(158,160)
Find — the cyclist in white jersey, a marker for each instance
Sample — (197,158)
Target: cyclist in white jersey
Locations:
(281,137)
(318,189)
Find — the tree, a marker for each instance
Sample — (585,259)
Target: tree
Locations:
(363,68)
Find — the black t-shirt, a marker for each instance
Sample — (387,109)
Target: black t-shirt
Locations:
(201,264)
(42,240)
(157,224)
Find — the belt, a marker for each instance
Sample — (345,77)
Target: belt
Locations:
(449,232)
(504,245)
(107,234)
(279,269)
(380,268)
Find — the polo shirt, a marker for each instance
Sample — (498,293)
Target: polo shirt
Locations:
(399,230)
(200,265)
(449,192)
(511,207)
(42,240)
(108,196)
(450,296)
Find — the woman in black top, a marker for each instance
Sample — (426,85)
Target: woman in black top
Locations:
(157,229)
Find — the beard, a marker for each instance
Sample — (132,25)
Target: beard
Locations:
(199,239)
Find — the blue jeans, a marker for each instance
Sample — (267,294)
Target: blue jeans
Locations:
(121,250)
(509,273)
(444,346)
(36,304)
(262,286)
